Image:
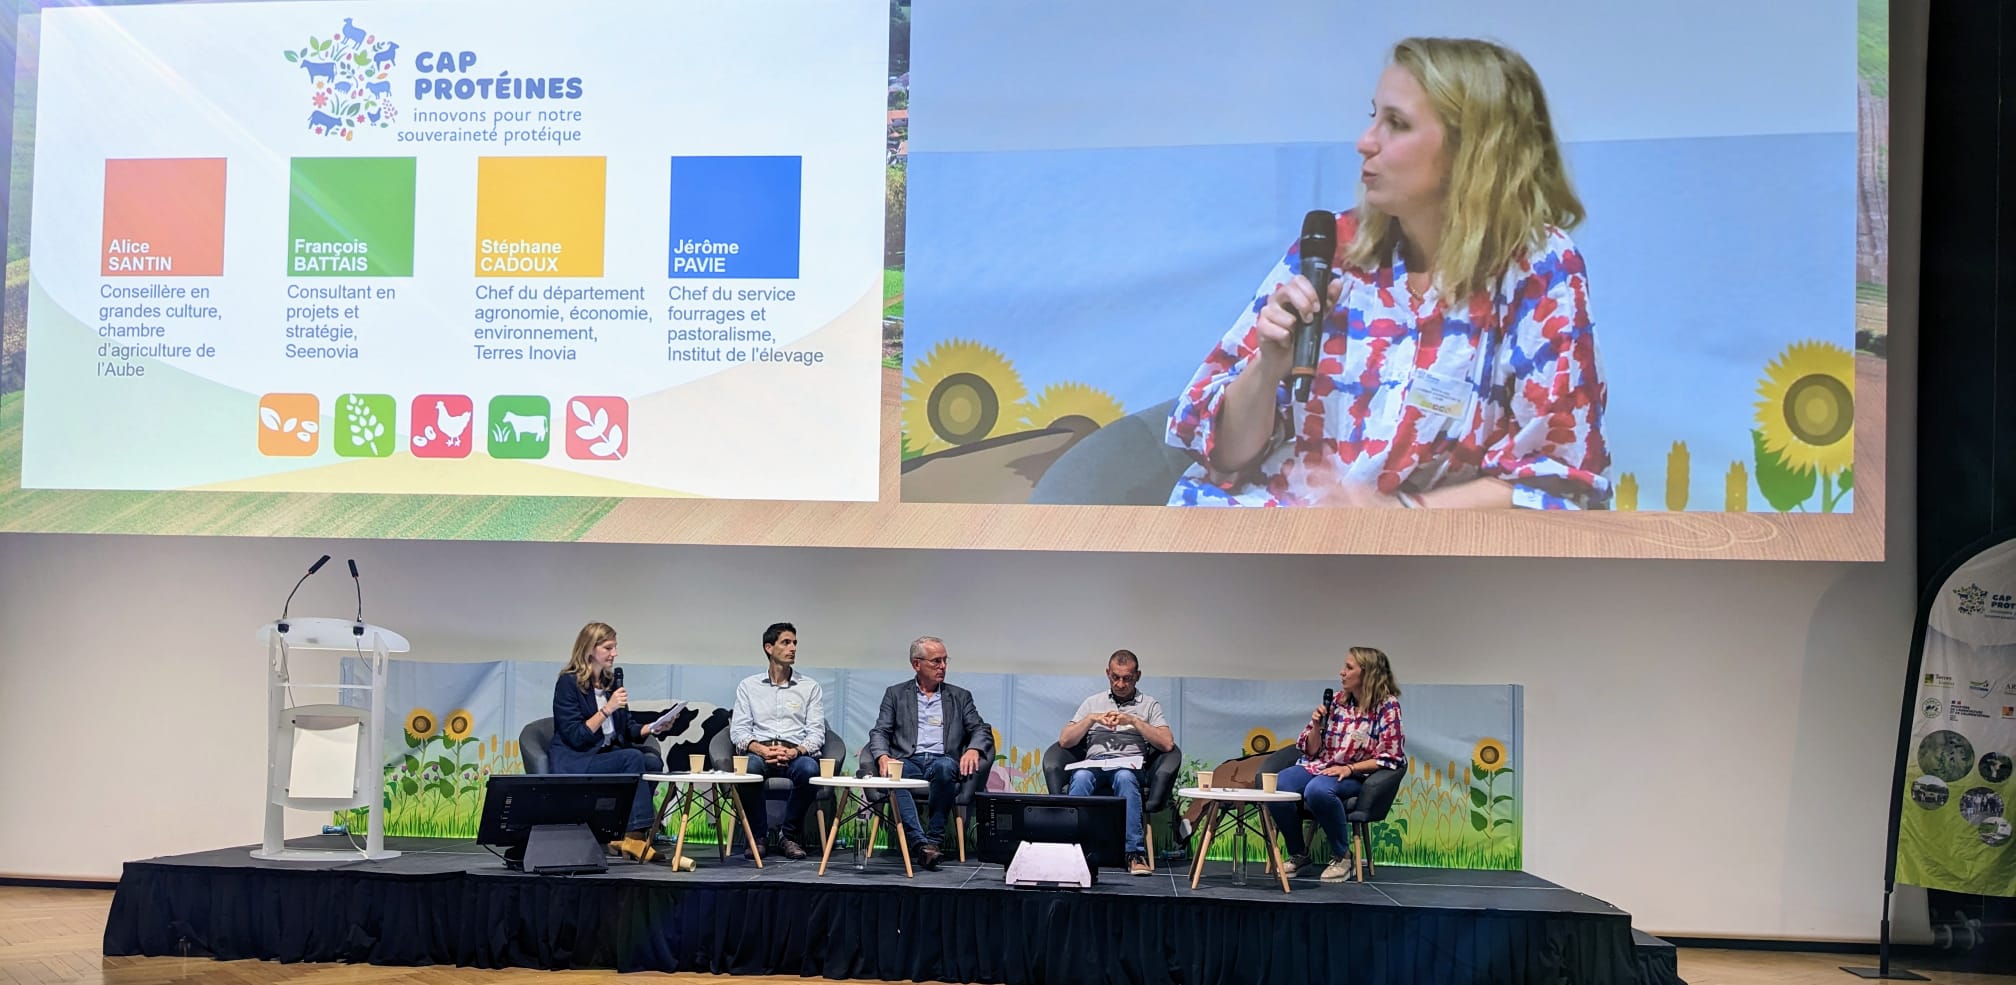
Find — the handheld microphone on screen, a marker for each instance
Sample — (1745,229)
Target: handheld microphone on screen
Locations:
(281,623)
(357,628)
(1319,244)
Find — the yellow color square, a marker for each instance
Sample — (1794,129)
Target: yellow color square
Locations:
(527,206)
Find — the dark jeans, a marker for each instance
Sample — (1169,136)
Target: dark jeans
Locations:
(942,772)
(621,759)
(756,801)
(1325,797)
(1119,783)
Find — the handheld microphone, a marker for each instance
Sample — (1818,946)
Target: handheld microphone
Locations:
(1329,700)
(615,679)
(357,628)
(281,623)
(1319,244)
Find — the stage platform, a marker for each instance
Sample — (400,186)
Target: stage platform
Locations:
(453,903)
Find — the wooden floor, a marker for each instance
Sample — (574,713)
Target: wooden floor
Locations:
(54,935)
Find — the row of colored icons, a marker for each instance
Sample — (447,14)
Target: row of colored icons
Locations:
(444,425)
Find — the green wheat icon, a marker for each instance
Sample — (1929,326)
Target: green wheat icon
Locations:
(365,416)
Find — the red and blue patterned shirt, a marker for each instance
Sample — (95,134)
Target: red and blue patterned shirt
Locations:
(1415,393)
(1354,736)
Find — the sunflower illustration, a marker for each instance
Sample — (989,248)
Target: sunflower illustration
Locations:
(1489,755)
(1806,409)
(421,724)
(1059,403)
(959,393)
(459,724)
(1261,740)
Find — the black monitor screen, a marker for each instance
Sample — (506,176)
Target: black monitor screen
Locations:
(513,805)
(1097,824)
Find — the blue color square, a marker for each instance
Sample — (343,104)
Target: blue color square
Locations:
(751,202)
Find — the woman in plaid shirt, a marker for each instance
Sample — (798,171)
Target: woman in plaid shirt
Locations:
(1343,743)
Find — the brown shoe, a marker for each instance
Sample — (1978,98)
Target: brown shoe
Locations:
(638,848)
(790,849)
(928,857)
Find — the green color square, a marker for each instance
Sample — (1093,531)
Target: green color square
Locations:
(343,200)
(529,431)
(366,425)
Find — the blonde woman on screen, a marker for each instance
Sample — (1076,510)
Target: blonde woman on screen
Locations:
(1458,364)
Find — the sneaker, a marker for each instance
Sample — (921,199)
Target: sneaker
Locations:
(1294,864)
(790,849)
(1339,870)
(1137,864)
(1184,829)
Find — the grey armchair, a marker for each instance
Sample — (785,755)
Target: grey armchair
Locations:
(537,736)
(962,803)
(1372,803)
(777,789)
(533,742)
(1158,769)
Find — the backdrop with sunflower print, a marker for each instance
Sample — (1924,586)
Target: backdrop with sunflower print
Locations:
(1459,806)
(1086,221)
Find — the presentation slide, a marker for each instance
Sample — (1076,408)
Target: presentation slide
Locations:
(1611,282)
(499,247)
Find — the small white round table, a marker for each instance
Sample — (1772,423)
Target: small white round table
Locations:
(1239,804)
(705,789)
(875,812)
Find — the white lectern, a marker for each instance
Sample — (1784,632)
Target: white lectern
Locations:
(308,744)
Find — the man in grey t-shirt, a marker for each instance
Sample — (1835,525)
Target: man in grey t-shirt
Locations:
(1122,726)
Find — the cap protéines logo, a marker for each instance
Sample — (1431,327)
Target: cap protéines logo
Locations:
(1973,600)
(349,80)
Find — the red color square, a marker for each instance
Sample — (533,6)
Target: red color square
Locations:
(598,428)
(442,425)
(164,217)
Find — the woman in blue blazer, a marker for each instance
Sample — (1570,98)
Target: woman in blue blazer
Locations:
(593,731)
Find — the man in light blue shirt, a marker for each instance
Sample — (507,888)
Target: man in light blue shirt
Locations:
(779,722)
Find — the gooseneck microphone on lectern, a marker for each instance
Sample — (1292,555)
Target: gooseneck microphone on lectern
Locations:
(1319,244)
(357,628)
(281,624)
